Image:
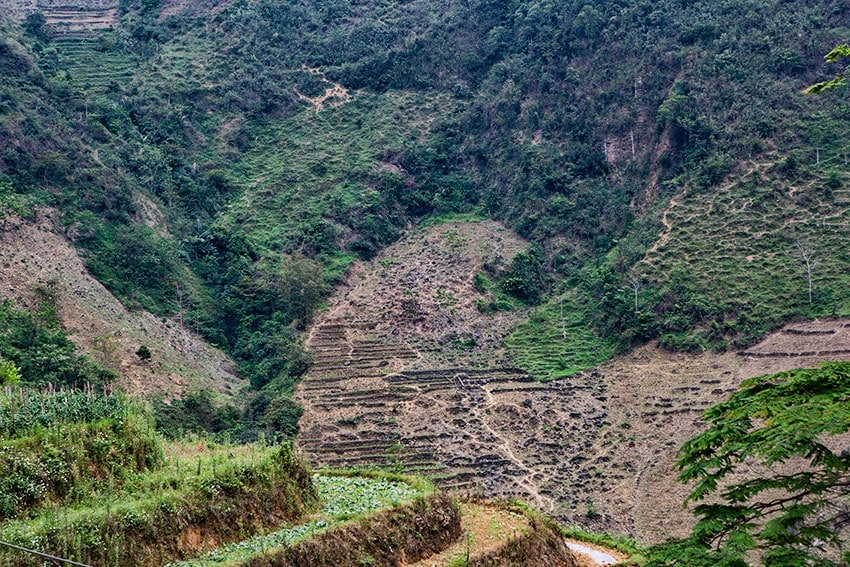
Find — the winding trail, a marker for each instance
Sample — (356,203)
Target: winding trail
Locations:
(543,503)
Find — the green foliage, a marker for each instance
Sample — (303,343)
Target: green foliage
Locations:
(196,412)
(833,56)
(144,353)
(68,459)
(144,521)
(555,342)
(524,280)
(42,352)
(549,116)
(34,26)
(793,515)
(25,409)
(269,413)
(10,375)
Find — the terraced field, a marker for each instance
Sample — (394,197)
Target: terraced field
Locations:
(492,430)
(78,20)
(409,375)
(393,388)
(92,68)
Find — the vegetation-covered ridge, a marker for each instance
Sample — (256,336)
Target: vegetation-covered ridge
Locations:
(223,193)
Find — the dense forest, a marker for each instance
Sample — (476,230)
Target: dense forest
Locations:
(575,123)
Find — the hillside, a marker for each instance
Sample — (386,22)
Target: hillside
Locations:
(321,132)
(595,449)
(518,246)
(35,255)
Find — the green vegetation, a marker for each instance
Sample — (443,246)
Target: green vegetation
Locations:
(65,463)
(793,516)
(195,166)
(344,499)
(23,410)
(556,342)
(223,492)
(40,352)
(833,56)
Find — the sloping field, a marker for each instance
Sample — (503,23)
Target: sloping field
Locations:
(35,254)
(90,67)
(393,386)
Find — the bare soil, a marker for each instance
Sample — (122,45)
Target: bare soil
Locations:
(486,528)
(335,94)
(37,254)
(397,383)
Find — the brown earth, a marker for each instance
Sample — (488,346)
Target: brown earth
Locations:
(36,254)
(485,527)
(408,374)
(335,94)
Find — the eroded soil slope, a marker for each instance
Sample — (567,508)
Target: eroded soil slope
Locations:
(36,254)
(408,374)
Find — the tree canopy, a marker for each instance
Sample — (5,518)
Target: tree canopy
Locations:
(772,473)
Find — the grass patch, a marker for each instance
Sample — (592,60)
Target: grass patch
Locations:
(556,341)
(318,179)
(730,269)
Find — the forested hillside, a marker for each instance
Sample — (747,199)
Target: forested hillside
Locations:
(225,162)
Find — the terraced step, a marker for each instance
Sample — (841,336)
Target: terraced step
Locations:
(88,66)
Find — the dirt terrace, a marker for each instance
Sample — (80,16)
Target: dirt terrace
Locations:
(392,386)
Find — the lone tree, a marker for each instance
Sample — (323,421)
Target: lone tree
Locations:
(633,284)
(795,510)
(144,353)
(807,262)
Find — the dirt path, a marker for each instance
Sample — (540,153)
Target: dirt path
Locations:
(486,528)
(664,236)
(335,94)
(542,502)
(591,555)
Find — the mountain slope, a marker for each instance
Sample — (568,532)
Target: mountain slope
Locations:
(395,384)
(35,255)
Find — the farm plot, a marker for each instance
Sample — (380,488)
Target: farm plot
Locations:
(343,498)
(491,431)
(91,67)
(410,376)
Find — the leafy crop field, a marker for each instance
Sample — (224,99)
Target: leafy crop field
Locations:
(343,498)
